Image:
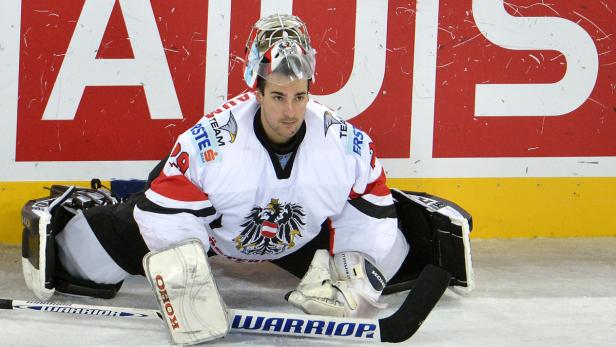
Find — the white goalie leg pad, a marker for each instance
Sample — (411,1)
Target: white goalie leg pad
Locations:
(187,293)
(36,217)
(468,260)
(35,277)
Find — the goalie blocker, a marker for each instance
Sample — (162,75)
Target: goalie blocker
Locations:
(438,232)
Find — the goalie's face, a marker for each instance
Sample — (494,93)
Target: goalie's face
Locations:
(283,107)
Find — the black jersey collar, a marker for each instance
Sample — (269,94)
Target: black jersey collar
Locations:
(272,148)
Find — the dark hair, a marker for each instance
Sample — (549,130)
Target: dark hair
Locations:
(261,84)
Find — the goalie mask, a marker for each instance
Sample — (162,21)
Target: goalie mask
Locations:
(279,44)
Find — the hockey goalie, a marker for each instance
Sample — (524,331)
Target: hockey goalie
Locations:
(271,175)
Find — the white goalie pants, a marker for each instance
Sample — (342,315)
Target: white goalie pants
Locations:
(82,255)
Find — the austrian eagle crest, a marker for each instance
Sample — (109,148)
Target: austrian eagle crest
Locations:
(271,229)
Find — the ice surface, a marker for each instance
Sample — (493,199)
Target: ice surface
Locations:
(539,292)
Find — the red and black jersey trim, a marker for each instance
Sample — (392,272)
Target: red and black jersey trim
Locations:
(375,211)
(149,206)
(378,187)
(181,194)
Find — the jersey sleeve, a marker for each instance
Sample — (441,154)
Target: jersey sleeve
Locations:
(368,222)
(175,206)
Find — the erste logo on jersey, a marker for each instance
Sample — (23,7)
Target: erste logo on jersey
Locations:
(271,229)
(203,139)
(356,142)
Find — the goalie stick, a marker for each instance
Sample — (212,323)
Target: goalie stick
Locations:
(398,327)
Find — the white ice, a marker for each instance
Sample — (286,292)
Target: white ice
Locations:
(530,292)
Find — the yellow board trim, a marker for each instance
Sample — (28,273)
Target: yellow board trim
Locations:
(528,207)
(501,207)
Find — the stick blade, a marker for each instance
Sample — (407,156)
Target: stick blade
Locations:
(6,304)
(423,296)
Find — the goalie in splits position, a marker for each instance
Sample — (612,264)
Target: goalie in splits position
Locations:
(271,175)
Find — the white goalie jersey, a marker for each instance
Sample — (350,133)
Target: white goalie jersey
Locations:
(222,185)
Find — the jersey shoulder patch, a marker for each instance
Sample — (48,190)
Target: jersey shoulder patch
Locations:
(218,130)
(224,127)
(334,125)
(350,137)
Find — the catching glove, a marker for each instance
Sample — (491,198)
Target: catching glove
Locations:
(347,285)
